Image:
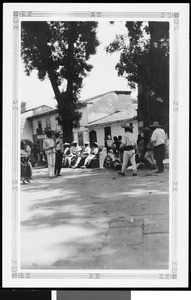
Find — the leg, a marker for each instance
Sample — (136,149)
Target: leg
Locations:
(133,162)
(59,162)
(150,159)
(125,161)
(56,164)
(49,162)
(158,150)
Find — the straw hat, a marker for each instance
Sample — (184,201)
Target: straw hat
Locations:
(127,125)
(155,125)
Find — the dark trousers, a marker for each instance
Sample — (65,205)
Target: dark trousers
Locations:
(58,162)
(159,155)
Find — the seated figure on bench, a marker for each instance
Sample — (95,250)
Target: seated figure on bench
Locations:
(93,154)
(84,154)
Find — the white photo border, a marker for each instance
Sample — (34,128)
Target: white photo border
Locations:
(172,273)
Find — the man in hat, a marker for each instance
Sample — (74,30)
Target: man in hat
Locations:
(85,153)
(75,151)
(93,153)
(158,139)
(128,145)
(49,148)
(59,154)
(66,153)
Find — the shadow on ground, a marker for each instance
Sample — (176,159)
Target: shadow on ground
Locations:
(95,219)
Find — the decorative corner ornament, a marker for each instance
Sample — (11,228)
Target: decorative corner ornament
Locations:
(175,186)
(94,276)
(25,14)
(167,15)
(95,14)
(176,21)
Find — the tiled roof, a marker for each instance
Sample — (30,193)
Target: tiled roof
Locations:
(115,117)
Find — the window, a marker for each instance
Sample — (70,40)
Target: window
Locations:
(39,125)
(47,123)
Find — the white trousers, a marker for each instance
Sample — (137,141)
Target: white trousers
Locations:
(51,163)
(129,155)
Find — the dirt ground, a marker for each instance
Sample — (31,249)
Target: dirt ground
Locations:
(95,219)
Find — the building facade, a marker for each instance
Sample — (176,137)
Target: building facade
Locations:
(102,115)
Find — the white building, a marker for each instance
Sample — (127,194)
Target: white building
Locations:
(104,114)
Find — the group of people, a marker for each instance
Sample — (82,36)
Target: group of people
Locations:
(61,154)
(148,150)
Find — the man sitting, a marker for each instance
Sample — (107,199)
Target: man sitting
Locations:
(75,151)
(65,154)
(93,153)
(112,161)
(85,153)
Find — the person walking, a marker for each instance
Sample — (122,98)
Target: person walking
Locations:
(59,154)
(158,139)
(49,148)
(128,145)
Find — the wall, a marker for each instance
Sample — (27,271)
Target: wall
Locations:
(116,130)
(53,122)
(26,126)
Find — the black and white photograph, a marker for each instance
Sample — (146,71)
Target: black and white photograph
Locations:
(96,112)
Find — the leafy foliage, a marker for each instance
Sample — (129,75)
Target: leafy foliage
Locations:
(144,60)
(60,51)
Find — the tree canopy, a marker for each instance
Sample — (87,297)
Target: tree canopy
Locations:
(144,60)
(60,51)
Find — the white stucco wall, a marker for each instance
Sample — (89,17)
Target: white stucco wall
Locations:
(53,122)
(116,130)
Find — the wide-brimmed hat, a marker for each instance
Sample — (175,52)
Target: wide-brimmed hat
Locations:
(94,143)
(155,125)
(86,143)
(66,144)
(127,125)
(146,129)
(48,130)
(74,142)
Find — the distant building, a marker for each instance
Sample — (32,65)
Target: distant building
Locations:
(102,115)
(36,120)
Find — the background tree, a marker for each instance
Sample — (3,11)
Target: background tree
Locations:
(144,60)
(23,106)
(60,51)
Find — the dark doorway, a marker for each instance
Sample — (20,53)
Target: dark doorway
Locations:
(93,137)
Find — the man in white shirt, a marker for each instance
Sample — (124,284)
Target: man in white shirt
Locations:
(128,145)
(85,153)
(49,148)
(75,151)
(158,139)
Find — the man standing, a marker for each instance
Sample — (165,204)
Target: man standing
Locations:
(128,146)
(49,148)
(158,139)
(59,154)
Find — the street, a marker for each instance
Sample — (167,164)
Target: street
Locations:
(95,219)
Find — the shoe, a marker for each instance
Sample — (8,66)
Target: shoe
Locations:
(83,167)
(134,174)
(121,173)
(159,171)
(59,175)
